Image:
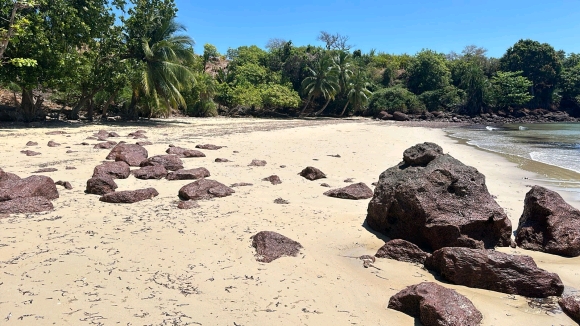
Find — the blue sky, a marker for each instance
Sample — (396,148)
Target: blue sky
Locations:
(387,26)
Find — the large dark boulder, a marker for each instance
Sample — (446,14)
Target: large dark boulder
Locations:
(100,185)
(191,174)
(210,147)
(33,186)
(312,173)
(274,179)
(571,306)
(25,205)
(131,154)
(354,191)
(116,170)
(436,305)
(184,152)
(422,154)
(400,116)
(439,203)
(150,172)
(129,196)
(7,179)
(495,271)
(204,189)
(549,224)
(401,250)
(170,162)
(271,246)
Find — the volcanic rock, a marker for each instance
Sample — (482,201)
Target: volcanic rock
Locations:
(549,224)
(7,179)
(571,306)
(281,200)
(105,145)
(100,185)
(441,204)
(192,174)
(271,246)
(324,184)
(274,179)
(144,143)
(495,271)
(188,204)
(45,170)
(354,191)
(183,152)
(221,160)
(241,184)
(422,154)
(401,250)
(209,147)
(436,305)
(150,172)
(170,162)
(52,144)
(204,189)
(312,173)
(257,163)
(131,154)
(32,143)
(30,153)
(129,196)
(33,186)
(400,116)
(57,132)
(384,115)
(116,170)
(26,205)
(65,184)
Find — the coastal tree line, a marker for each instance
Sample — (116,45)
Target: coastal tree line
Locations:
(133,58)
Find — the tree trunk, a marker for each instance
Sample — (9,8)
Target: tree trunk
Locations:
(324,107)
(304,108)
(133,105)
(344,109)
(27,106)
(106,107)
(90,110)
(77,108)
(10,32)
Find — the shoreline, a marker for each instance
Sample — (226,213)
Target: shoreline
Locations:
(89,261)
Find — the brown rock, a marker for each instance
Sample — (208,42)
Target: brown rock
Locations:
(65,184)
(188,204)
(57,132)
(105,145)
(401,250)
(183,152)
(129,196)
(113,134)
(384,115)
(85,143)
(241,184)
(32,143)
(70,168)
(274,179)
(312,173)
(354,191)
(350,180)
(170,162)
(131,154)
(100,185)
(221,160)
(571,306)
(150,172)
(69,151)
(45,170)
(26,205)
(271,246)
(52,144)
(144,143)
(101,133)
(399,116)
(7,179)
(325,185)
(257,163)
(30,153)
(208,147)
(549,224)
(204,189)
(442,204)
(192,174)
(281,201)
(33,186)
(495,271)
(436,305)
(422,154)
(116,170)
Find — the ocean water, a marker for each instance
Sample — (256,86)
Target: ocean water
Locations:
(540,146)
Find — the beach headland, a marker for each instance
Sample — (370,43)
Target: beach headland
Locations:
(149,262)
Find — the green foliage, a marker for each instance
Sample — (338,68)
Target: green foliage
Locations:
(570,85)
(446,98)
(511,89)
(279,96)
(469,76)
(357,92)
(539,63)
(209,52)
(427,71)
(323,80)
(395,99)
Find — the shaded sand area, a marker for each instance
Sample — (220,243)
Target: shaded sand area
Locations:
(150,263)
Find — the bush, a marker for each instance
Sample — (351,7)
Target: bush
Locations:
(395,99)
(279,96)
(442,99)
(202,109)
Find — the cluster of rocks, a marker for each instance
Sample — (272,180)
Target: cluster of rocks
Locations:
(29,195)
(439,213)
(500,117)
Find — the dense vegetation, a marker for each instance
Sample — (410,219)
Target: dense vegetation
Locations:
(142,64)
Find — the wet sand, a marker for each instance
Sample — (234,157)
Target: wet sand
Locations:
(149,263)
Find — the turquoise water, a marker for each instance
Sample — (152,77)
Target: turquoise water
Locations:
(536,147)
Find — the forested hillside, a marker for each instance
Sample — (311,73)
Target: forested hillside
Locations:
(133,59)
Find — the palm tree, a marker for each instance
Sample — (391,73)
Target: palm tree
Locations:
(357,92)
(164,70)
(323,81)
(342,61)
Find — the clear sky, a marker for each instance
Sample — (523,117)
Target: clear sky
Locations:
(402,26)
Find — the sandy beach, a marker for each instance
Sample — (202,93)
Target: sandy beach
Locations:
(93,263)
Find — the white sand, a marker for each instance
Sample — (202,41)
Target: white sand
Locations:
(150,263)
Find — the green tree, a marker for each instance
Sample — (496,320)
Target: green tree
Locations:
(427,71)
(209,52)
(539,63)
(395,99)
(323,81)
(357,91)
(511,89)
(468,75)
